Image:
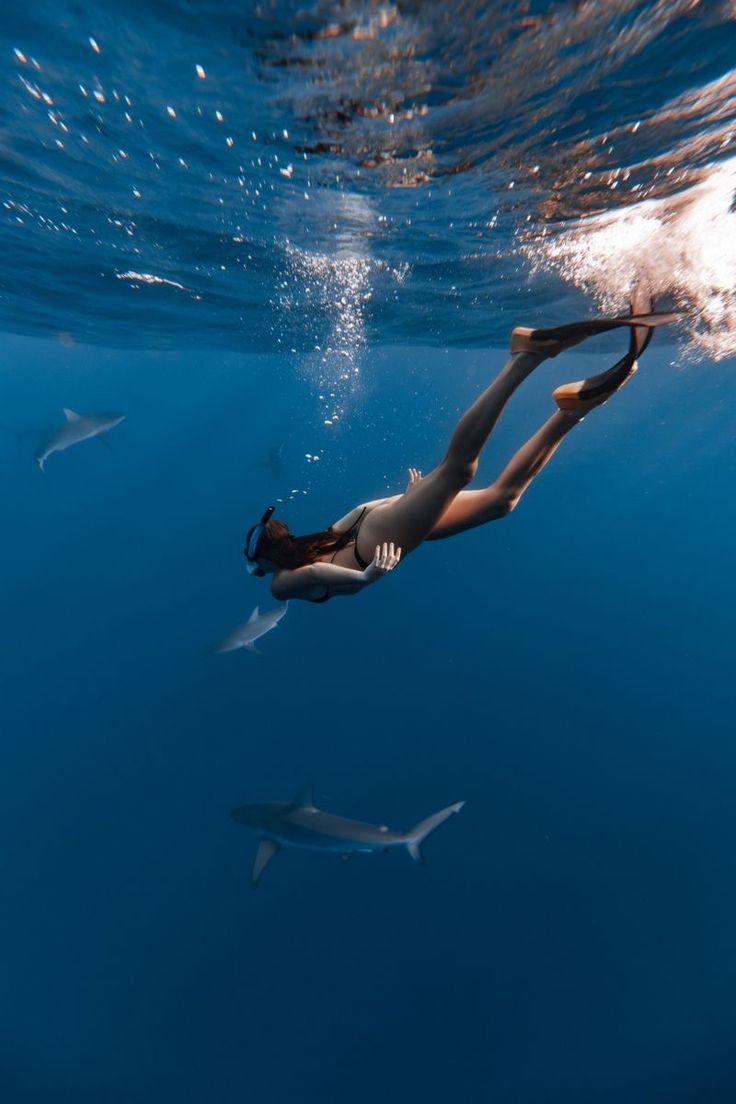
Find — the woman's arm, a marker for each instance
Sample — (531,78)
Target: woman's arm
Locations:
(315,581)
(322,580)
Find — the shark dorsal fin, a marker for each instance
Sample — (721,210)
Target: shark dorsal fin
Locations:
(254,616)
(304,799)
(266,851)
(71,415)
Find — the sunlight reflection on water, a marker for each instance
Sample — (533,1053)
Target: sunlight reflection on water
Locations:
(682,247)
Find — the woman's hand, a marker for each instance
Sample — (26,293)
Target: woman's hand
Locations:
(384,560)
(415,476)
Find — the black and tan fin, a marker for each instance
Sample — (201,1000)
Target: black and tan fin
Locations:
(584,395)
(550,343)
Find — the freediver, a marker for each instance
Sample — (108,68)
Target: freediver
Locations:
(367,543)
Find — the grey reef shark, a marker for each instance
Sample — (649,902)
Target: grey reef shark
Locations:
(77,428)
(257,625)
(299,823)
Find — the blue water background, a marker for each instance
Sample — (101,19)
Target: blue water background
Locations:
(322,245)
(567,671)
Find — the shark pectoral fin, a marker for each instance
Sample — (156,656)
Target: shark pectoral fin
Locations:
(250,647)
(266,851)
(104,440)
(254,616)
(71,415)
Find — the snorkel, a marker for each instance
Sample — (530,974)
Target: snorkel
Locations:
(252,543)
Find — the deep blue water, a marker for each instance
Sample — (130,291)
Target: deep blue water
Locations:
(572,936)
(568,671)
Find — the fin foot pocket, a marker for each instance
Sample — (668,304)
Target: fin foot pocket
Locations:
(584,395)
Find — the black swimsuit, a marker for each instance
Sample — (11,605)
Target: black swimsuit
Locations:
(349,537)
(352,538)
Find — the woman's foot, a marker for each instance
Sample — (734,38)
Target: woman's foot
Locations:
(549,343)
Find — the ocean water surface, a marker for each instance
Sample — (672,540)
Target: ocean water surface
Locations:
(288,242)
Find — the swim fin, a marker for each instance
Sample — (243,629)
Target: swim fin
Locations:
(584,395)
(554,341)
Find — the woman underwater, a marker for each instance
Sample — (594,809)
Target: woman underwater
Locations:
(367,543)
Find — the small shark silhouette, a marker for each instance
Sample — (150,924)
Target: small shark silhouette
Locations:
(299,823)
(77,428)
(274,462)
(257,625)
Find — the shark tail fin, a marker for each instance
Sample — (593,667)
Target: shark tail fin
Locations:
(416,835)
(40,461)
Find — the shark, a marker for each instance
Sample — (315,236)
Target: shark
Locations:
(257,625)
(77,428)
(299,823)
(274,462)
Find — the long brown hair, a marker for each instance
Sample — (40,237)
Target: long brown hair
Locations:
(277,544)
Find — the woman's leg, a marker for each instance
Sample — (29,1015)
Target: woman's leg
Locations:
(472,508)
(411,518)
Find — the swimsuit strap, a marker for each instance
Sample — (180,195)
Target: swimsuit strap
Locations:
(349,536)
(354,530)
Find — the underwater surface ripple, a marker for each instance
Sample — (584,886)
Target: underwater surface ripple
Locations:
(179,174)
